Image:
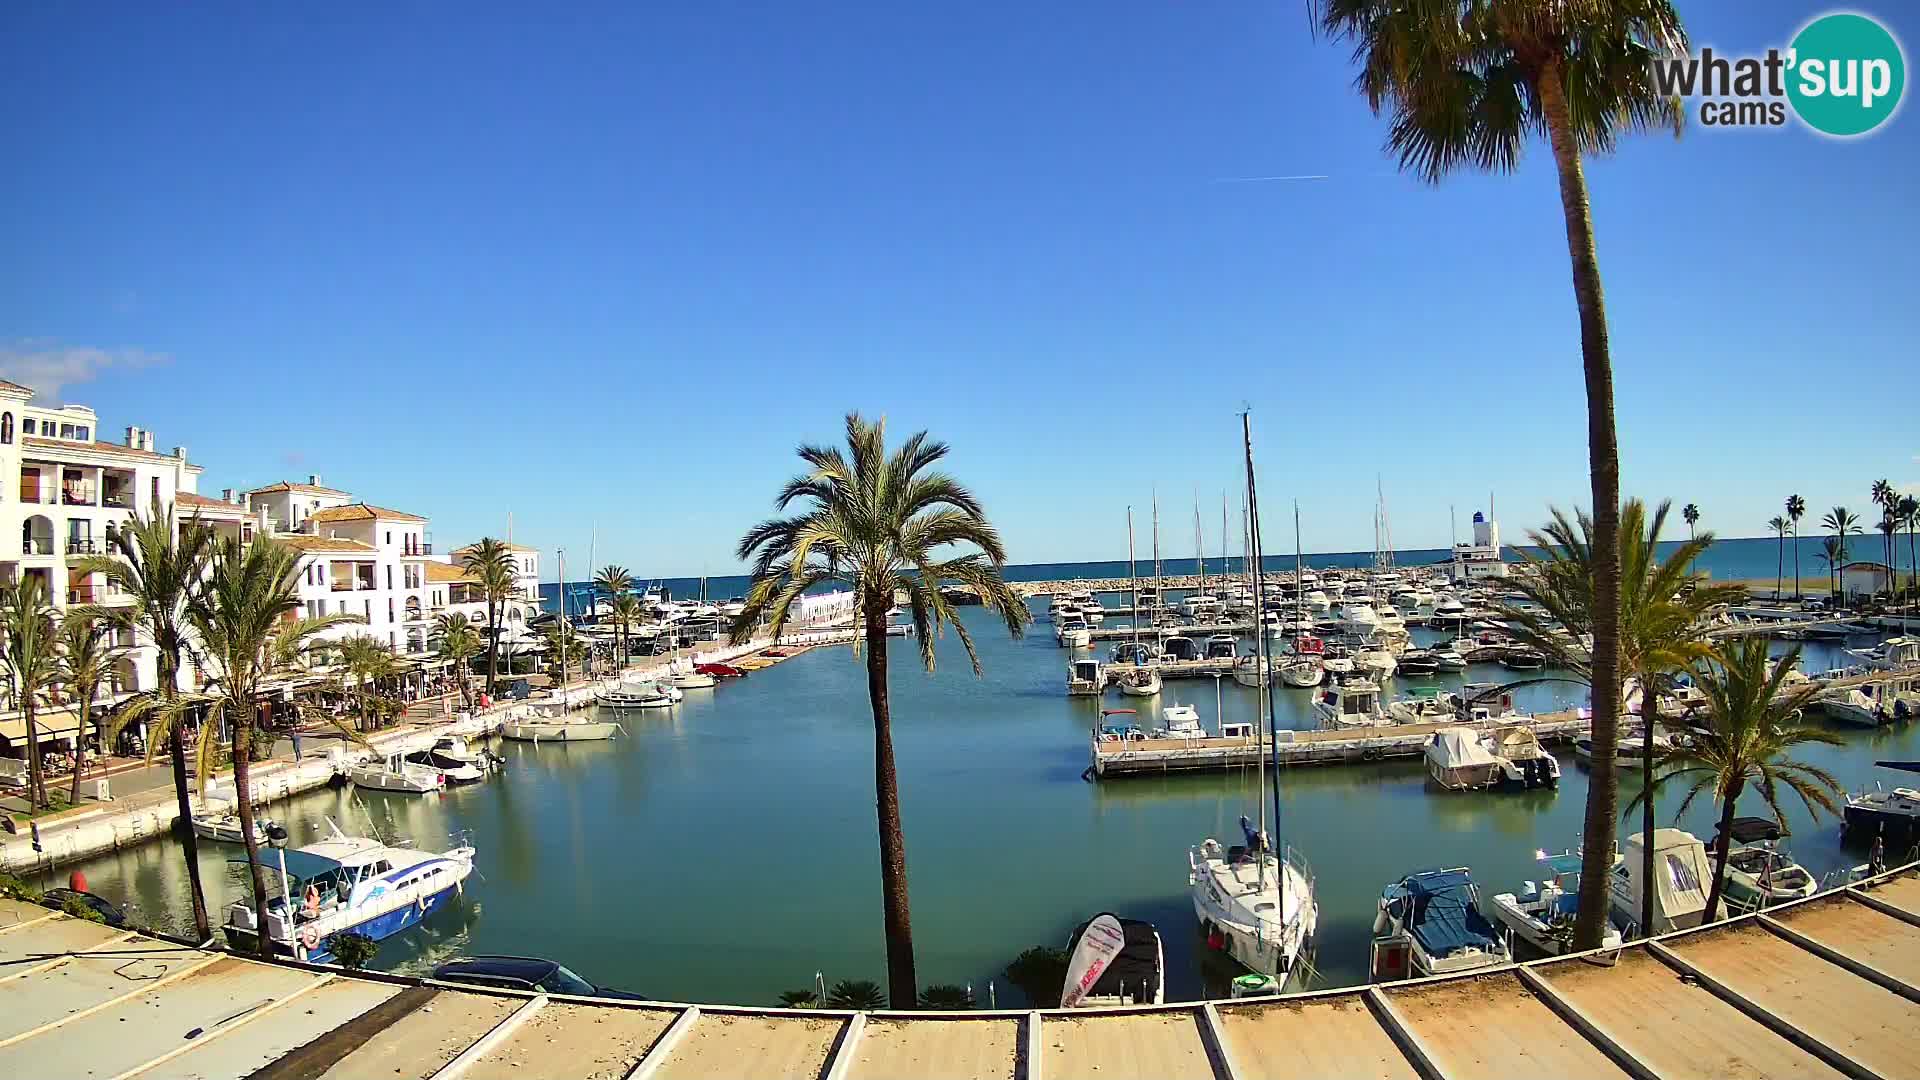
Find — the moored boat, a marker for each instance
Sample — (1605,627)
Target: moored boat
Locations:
(1759,873)
(1114,961)
(1682,876)
(396,774)
(1430,923)
(1542,914)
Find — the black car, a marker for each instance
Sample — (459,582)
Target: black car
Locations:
(523,973)
(112,916)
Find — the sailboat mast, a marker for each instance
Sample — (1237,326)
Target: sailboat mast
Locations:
(1262,674)
(1199,551)
(562,558)
(1262,642)
(1157,598)
(1133,582)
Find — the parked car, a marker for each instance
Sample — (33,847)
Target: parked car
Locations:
(523,973)
(111,915)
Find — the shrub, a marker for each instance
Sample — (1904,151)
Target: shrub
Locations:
(1039,973)
(856,994)
(351,950)
(947,996)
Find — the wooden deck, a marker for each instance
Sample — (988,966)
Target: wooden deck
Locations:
(1822,988)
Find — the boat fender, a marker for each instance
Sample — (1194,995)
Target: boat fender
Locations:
(309,936)
(1087,774)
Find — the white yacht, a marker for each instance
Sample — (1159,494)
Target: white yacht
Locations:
(1252,670)
(1376,663)
(685,675)
(396,773)
(1759,874)
(1850,706)
(1542,914)
(1431,924)
(1072,631)
(1139,681)
(1318,600)
(1447,606)
(1351,704)
(1254,905)
(1180,722)
(346,883)
(1361,621)
(639,694)
(558,727)
(1422,705)
(1447,658)
(1682,876)
(1086,678)
(1891,654)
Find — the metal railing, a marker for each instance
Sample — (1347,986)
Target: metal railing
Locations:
(84,595)
(36,547)
(82,545)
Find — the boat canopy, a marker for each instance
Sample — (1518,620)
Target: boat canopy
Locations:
(1563,864)
(1135,968)
(1750,830)
(1681,874)
(1460,748)
(303,865)
(1444,917)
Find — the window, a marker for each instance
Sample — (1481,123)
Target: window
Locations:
(154,501)
(389,537)
(26,426)
(393,640)
(83,433)
(389,577)
(389,608)
(66,431)
(366,609)
(1681,875)
(6,427)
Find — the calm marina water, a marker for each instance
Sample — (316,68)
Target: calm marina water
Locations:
(725,850)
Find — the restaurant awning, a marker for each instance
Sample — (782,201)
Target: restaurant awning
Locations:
(56,725)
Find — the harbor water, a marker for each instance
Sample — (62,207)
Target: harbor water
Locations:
(724,850)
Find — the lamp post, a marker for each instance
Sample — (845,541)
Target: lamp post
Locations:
(277,837)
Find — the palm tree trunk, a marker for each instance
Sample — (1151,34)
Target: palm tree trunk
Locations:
(1650,712)
(1796,560)
(243,797)
(168,664)
(1603,465)
(80,746)
(1913,559)
(1779,568)
(1722,845)
(901,985)
(493,647)
(36,770)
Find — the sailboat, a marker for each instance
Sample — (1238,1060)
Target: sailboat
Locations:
(559,727)
(1140,680)
(1254,903)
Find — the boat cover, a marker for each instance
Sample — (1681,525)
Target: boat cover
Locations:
(1681,873)
(1748,830)
(1137,964)
(1459,748)
(1444,918)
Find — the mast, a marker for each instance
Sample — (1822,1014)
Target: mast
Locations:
(1261,642)
(1157,598)
(562,553)
(1133,583)
(1199,550)
(1261,688)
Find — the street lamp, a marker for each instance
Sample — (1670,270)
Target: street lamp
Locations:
(277,838)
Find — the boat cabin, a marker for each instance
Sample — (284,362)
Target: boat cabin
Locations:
(1485,701)
(1358,700)
(1223,647)
(1132,652)
(1682,875)
(1238,729)
(1179,647)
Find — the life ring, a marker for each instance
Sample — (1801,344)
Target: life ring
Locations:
(309,936)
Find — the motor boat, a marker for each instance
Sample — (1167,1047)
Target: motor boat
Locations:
(456,749)
(1418,663)
(1423,705)
(1114,961)
(1628,750)
(1522,658)
(1431,924)
(1524,763)
(1459,760)
(1337,662)
(1086,678)
(395,773)
(1377,663)
(1318,600)
(1891,654)
(1119,732)
(1180,722)
(1199,605)
(632,694)
(684,675)
(1482,701)
(1682,876)
(1447,658)
(720,671)
(1223,647)
(451,771)
(1255,906)
(1139,681)
(221,822)
(1851,707)
(346,883)
(1759,874)
(557,727)
(1360,621)
(1178,647)
(1393,625)
(1135,653)
(1893,816)
(1542,914)
(1447,606)
(1351,704)
(1072,632)
(1092,611)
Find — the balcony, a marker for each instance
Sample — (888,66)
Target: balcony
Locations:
(77,496)
(342,586)
(85,594)
(84,545)
(117,501)
(37,546)
(419,549)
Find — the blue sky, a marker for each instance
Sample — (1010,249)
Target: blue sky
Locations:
(603,267)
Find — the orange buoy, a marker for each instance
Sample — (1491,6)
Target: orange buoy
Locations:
(77,881)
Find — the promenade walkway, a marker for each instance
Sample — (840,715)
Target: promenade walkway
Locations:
(1825,987)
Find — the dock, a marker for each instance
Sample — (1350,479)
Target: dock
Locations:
(1155,757)
(1825,986)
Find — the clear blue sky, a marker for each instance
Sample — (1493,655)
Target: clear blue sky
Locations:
(607,265)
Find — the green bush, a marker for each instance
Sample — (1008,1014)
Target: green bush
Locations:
(799,999)
(1039,973)
(12,888)
(352,951)
(80,909)
(856,994)
(946,996)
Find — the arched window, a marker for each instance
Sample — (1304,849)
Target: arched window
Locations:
(6,427)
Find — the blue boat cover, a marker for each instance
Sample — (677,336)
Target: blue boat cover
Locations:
(303,865)
(1564,863)
(1445,918)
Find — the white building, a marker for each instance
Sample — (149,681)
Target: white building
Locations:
(1481,558)
(356,559)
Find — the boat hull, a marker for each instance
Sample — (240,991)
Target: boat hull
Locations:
(591,731)
(379,928)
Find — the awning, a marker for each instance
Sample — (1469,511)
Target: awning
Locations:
(59,725)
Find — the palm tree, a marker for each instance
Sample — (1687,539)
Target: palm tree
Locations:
(1834,554)
(368,660)
(1887,499)
(458,643)
(1839,522)
(1889,530)
(1752,721)
(1796,509)
(1779,526)
(627,611)
(246,616)
(491,564)
(87,657)
(1468,84)
(613,582)
(1909,510)
(160,562)
(1691,514)
(874,521)
(31,665)
(1662,630)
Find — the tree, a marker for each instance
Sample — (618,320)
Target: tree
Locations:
(627,611)
(160,562)
(1840,523)
(246,616)
(1751,722)
(458,643)
(1888,500)
(1040,973)
(1779,526)
(947,997)
(876,522)
(860,994)
(564,648)
(1663,630)
(615,584)
(490,562)
(1691,514)
(1909,511)
(368,660)
(31,664)
(1796,509)
(1468,84)
(87,657)
(1890,529)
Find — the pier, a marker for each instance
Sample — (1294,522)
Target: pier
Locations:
(1829,985)
(1153,757)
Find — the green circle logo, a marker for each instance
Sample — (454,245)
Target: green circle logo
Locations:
(1846,74)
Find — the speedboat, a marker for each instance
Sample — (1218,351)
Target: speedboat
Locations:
(1418,663)
(1318,601)
(1086,678)
(1180,722)
(1072,631)
(1139,681)
(1447,658)
(1628,751)
(1851,707)
(396,773)
(556,727)
(683,674)
(1431,924)
(1524,763)
(1179,647)
(1542,914)
(1223,647)
(451,771)
(454,749)
(1759,874)
(1893,816)
(1114,961)
(1682,876)
(221,822)
(1351,704)
(1376,662)
(1522,658)
(1255,906)
(630,694)
(346,883)
(1459,760)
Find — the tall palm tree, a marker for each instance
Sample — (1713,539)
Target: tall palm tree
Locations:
(1887,499)
(878,523)
(161,560)
(368,660)
(1834,554)
(1691,514)
(87,657)
(1467,85)
(491,563)
(1796,509)
(1889,527)
(1779,526)
(1840,523)
(458,643)
(246,617)
(1909,510)
(1663,630)
(31,663)
(1752,721)
(627,611)
(614,583)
